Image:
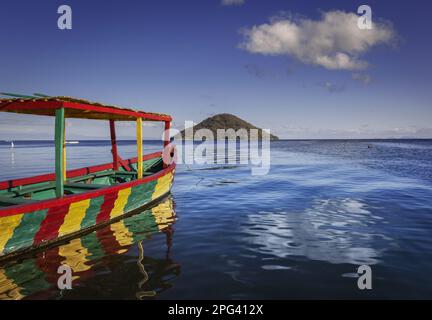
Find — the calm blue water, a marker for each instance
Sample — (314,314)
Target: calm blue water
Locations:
(301,231)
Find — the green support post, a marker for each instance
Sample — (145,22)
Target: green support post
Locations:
(59,144)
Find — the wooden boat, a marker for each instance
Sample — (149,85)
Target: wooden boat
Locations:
(35,276)
(39,210)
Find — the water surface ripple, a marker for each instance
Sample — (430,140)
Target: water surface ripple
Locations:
(301,231)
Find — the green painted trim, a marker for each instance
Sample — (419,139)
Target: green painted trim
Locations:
(25,232)
(91,243)
(59,140)
(16,95)
(41,95)
(140,195)
(141,225)
(92,212)
(27,276)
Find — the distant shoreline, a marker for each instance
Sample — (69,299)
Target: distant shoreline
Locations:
(275,141)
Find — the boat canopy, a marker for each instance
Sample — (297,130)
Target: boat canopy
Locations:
(66,107)
(76,108)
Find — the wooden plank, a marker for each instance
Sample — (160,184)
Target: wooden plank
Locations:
(90,176)
(32,189)
(64,151)
(13,201)
(167,139)
(126,173)
(114,145)
(59,143)
(85,186)
(139,148)
(124,163)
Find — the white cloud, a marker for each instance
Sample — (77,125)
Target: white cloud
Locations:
(233,2)
(364,78)
(333,42)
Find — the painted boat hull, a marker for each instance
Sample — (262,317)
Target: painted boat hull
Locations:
(36,276)
(28,226)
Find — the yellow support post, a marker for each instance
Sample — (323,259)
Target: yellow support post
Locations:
(139,148)
(64,151)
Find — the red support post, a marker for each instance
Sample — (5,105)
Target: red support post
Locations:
(166,133)
(167,139)
(114,145)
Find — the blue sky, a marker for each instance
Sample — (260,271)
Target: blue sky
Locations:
(196,58)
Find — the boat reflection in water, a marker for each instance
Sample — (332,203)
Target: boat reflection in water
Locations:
(94,260)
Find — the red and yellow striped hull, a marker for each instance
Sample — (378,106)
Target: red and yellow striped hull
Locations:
(27,226)
(36,276)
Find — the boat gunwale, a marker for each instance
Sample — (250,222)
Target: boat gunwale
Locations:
(45,204)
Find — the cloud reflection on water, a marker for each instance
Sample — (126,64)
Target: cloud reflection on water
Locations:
(332,230)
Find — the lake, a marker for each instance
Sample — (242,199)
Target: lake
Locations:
(301,231)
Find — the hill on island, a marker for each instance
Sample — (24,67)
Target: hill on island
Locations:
(227,121)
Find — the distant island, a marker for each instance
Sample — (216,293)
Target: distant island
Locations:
(227,121)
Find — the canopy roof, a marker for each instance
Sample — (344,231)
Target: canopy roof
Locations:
(76,108)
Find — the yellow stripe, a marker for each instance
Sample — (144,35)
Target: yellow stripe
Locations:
(163,185)
(74,217)
(75,255)
(8,289)
(64,152)
(164,214)
(122,233)
(7,227)
(120,202)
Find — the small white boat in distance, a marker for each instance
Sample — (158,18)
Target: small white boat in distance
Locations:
(12,144)
(72,142)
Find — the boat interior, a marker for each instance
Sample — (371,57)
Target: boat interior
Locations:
(29,190)
(65,183)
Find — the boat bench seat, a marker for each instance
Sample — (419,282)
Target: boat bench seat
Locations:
(131,173)
(84,185)
(125,173)
(151,163)
(11,198)
(29,190)
(46,186)
(89,176)
(14,201)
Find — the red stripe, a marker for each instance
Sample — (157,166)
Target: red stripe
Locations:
(120,112)
(48,262)
(50,226)
(124,163)
(107,206)
(108,241)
